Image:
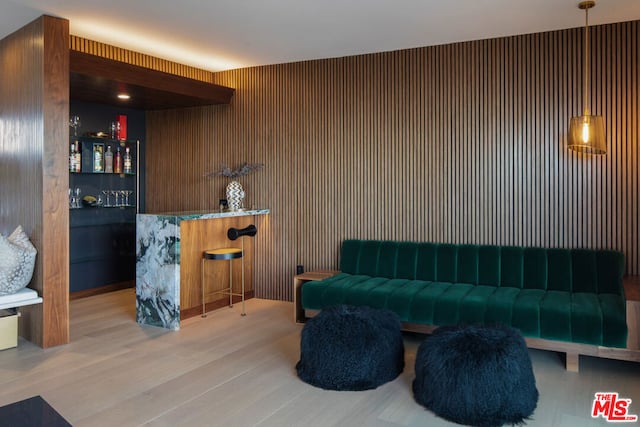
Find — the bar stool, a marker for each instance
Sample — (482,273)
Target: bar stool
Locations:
(223,254)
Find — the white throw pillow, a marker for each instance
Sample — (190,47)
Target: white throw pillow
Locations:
(17,260)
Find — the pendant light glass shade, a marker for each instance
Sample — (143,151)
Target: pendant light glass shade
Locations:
(586,135)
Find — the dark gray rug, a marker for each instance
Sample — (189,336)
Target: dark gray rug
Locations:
(32,412)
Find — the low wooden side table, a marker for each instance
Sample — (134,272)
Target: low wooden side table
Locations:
(632,295)
(298,280)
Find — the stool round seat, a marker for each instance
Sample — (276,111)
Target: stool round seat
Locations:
(476,375)
(351,348)
(222,253)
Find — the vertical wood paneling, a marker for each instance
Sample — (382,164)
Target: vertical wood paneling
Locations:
(137,58)
(34,134)
(461,143)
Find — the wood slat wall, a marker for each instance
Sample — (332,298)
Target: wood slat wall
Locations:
(34,134)
(461,143)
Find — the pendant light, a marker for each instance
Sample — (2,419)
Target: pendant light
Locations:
(586,132)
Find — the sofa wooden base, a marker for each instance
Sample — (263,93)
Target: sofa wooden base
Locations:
(571,350)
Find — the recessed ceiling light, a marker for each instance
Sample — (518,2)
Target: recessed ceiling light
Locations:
(123,96)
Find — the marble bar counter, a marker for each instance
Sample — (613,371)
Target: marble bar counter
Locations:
(169,250)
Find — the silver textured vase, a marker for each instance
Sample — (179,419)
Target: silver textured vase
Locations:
(235,196)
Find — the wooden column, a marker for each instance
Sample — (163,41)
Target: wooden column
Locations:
(34,106)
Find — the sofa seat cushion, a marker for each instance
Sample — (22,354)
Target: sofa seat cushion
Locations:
(379,296)
(447,307)
(363,293)
(525,313)
(614,321)
(588,318)
(423,305)
(500,306)
(473,307)
(555,315)
(360,290)
(401,299)
(330,291)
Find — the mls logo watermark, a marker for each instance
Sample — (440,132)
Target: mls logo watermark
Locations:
(612,408)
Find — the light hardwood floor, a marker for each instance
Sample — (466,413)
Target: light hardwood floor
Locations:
(227,370)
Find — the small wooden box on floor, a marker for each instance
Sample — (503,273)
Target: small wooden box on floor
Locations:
(632,293)
(8,329)
(298,281)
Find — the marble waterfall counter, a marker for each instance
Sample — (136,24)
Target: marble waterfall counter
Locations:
(169,249)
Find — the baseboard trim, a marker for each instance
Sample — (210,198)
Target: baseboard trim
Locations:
(214,305)
(102,290)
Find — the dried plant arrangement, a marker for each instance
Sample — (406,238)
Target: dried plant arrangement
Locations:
(242,170)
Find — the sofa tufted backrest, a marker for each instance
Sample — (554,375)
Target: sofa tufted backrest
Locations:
(571,270)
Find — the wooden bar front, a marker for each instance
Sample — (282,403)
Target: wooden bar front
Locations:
(199,235)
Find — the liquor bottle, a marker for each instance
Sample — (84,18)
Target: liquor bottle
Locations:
(72,157)
(78,157)
(114,130)
(108,160)
(128,167)
(98,165)
(117,162)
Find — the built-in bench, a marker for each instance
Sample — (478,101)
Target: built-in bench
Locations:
(567,300)
(24,296)
(9,314)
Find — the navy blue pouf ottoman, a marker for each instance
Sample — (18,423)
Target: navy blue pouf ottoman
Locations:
(351,348)
(476,375)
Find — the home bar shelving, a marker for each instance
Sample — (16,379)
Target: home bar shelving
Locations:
(102,235)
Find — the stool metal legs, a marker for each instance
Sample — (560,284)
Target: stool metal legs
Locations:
(229,290)
(231,294)
(243,312)
(230,283)
(204,312)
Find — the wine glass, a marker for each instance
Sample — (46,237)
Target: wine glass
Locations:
(74,122)
(127,193)
(115,194)
(106,196)
(78,200)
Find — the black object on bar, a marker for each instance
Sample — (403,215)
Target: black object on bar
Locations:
(234,233)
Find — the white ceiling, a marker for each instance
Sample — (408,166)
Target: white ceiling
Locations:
(225,34)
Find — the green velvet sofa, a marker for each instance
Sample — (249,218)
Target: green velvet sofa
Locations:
(567,295)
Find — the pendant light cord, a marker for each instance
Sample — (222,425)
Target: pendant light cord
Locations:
(586,65)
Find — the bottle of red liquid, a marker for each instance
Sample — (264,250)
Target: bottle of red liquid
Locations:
(78,157)
(117,162)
